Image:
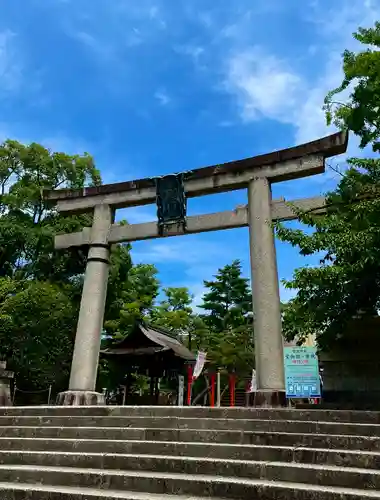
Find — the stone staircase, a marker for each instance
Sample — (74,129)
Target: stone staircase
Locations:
(170,453)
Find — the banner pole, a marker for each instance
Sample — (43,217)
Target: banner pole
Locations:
(218,402)
(212,393)
(189,383)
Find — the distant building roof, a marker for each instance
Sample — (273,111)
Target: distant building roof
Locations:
(147,340)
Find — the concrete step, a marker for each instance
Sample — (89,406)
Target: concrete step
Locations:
(365,443)
(254,437)
(174,423)
(13,491)
(21,448)
(324,475)
(164,452)
(182,484)
(189,435)
(144,422)
(272,491)
(197,412)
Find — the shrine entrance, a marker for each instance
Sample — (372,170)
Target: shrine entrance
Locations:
(256,174)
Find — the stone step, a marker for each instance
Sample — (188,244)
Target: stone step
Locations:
(19,447)
(197,412)
(157,452)
(367,443)
(156,434)
(13,491)
(173,423)
(194,435)
(148,422)
(183,484)
(259,488)
(255,437)
(323,475)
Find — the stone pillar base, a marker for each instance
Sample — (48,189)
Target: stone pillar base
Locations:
(269,399)
(80,398)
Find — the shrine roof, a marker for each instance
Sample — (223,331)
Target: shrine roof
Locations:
(147,340)
(325,147)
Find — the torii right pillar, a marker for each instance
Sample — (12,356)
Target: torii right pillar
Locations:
(266,297)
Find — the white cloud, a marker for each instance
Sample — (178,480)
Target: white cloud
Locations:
(10,63)
(108,29)
(197,256)
(194,51)
(267,85)
(66,144)
(264,85)
(102,51)
(162,97)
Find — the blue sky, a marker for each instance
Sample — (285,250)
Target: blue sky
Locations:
(158,86)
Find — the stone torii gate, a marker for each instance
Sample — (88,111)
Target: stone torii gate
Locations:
(170,193)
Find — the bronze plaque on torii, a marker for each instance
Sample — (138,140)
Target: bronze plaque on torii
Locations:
(171,203)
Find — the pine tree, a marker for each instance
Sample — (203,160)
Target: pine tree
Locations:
(228,339)
(228,301)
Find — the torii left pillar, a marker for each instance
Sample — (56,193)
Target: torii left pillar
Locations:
(90,323)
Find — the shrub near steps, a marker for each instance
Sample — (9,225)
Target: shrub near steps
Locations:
(169,453)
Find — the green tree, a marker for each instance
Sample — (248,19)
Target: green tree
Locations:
(136,298)
(228,302)
(227,330)
(360,112)
(40,287)
(229,350)
(121,265)
(37,330)
(174,312)
(27,224)
(347,281)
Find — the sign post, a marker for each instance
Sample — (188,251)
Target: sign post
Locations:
(181,387)
(301,373)
(218,388)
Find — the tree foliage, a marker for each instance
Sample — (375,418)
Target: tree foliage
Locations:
(174,312)
(347,281)
(136,296)
(37,330)
(40,287)
(27,225)
(227,330)
(228,301)
(360,112)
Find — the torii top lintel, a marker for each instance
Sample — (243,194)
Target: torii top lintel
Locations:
(286,164)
